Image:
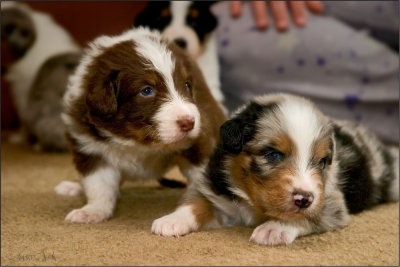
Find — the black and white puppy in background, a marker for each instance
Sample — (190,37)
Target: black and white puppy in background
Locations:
(44,55)
(285,167)
(191,25)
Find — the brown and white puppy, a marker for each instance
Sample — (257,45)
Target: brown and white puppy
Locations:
(135,106)
(283,166)
(191,25)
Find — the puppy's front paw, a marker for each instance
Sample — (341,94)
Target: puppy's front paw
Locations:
(88,214)
(274,233)
(68,188)
(178,223)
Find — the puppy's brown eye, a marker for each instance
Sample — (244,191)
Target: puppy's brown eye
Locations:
(188,86)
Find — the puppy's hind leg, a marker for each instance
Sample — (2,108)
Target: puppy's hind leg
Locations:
(193,214)
(101,188)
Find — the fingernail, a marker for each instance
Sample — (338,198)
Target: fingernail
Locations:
(235,14)
(282,26)
(262,25)
(301,21)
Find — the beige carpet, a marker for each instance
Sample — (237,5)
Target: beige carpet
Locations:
(33,231)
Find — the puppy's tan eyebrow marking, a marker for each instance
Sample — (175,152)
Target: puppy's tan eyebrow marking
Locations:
(320,148)
(283,143)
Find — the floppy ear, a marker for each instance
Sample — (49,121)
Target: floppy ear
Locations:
(102,99)
(231,136)
(237,131)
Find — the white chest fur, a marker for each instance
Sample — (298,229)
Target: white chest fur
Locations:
(134,160)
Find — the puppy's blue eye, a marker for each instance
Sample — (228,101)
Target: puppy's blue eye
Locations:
(148,91)
(274,156)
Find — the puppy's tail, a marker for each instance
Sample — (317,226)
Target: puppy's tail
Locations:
(393,190)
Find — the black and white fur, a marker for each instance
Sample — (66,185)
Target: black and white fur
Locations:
(191,25)
(329,170)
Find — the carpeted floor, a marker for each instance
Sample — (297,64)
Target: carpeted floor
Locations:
(33,231)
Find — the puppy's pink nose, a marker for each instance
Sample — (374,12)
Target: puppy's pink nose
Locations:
(186,124)
(302,199)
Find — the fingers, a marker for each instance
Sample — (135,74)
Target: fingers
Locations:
(260,14)
(315,6)
(236,8)
(280,14)
(298,10)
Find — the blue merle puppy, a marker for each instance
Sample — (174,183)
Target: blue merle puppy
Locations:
(285,167)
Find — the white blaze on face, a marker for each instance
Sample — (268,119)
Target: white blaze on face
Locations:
(178,29)
(168,118)
(160,58)
(303,128)
(175,117)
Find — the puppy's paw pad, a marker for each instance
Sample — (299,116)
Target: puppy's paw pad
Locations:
(273,233)
(68,188)
(175,224)
(87,215)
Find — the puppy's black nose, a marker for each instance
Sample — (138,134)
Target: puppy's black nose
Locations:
(302,199)
(186,125)
(181,42)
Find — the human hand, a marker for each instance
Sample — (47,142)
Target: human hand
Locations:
(279,11)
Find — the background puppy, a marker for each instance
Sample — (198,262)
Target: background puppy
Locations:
(43,121)
(191,26)
(43,56)
(135,106)
(284,166)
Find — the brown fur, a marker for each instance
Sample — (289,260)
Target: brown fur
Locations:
(113,83)
(285,193)
(110,101)
(318,204)
(203,147)
(284,144)
(271,194)
(321,148)
(201,208)
(83,163)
